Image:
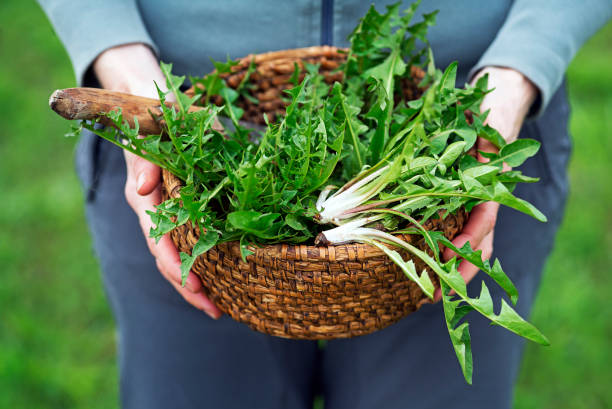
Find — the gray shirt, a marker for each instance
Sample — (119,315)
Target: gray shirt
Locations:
(535,37)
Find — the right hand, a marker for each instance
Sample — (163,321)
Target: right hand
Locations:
(132,68)
(508,103)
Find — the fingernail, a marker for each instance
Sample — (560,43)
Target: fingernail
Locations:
(142,178)
(210,313)
(208,309)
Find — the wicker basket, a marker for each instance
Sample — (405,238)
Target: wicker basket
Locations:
(303,291)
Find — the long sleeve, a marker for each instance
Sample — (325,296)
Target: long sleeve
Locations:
(540,37)
(88,27)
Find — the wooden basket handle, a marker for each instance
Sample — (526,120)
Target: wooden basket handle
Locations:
(91,103)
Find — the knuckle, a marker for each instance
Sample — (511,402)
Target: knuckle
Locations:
(493,213)
(165,274)
(162,270)
(143,165)
(490,223)
(127,192)
(159,266)
(129,158)
(468,237)
(492,210)
(139,165)
(153,250)
(487,246)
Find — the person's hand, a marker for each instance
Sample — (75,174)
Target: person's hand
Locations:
(132,68)
(509,103)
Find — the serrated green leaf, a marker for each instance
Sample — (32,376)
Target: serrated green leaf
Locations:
(507,318)
(244,250)
(447,82)
(475,257)
(262,225)
(409,269)
(186,264)
(204,243)
(481,172)
(515,153)
(294,222)
(459,333)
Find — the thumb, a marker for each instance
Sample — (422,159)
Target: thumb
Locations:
(143,175)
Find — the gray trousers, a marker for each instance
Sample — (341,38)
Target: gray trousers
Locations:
(173,356)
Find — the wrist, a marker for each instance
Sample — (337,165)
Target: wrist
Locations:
(130,68)
(512,86)
(509,101)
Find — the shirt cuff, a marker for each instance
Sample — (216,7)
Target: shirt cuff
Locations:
(87,28)
(539,38)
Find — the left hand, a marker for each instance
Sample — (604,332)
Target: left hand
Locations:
(132,68)
(508,103)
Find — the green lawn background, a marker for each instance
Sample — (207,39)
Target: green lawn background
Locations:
(57,341)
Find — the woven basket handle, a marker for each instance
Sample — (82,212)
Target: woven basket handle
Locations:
(91,103)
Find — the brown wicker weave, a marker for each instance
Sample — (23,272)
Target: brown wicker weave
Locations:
(274,70)
(303,291)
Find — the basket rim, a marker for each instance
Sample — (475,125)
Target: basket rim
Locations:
(293,252)
(274,57)
(303,52)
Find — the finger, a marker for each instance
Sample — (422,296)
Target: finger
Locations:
(143,176)
(480,223)
(143,194)
(149,176)
(485,146)
(169,261)
(165,251)
(142,204)
(198,300)
(468,270)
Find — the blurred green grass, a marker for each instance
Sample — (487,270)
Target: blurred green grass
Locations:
(57,347)
(572,307)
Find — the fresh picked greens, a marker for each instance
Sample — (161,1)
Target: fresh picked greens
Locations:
(399,161)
